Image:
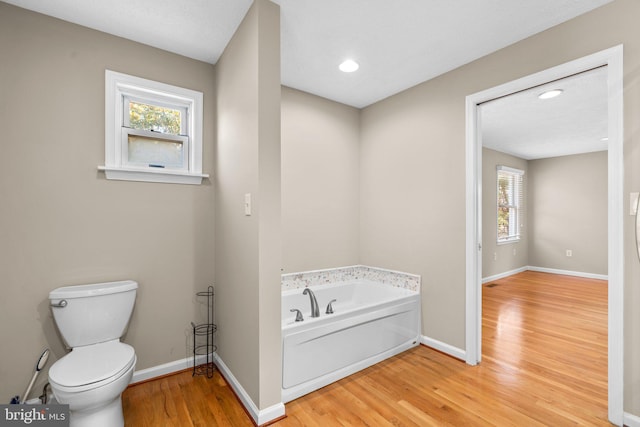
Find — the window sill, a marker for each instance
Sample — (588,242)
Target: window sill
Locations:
(146,175)
(508,241)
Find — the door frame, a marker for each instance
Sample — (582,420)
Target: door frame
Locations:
(613,59)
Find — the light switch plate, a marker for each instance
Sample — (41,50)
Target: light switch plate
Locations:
(247,204)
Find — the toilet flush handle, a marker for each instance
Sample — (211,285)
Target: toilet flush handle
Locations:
(61,303)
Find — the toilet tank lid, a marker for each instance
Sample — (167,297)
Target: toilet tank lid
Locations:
(95,289)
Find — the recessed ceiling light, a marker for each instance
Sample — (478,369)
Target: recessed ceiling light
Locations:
(349,66)
(550,94)
(604,139)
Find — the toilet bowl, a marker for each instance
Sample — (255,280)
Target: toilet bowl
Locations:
(92,377)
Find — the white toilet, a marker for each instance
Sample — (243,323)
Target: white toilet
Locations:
(92,377)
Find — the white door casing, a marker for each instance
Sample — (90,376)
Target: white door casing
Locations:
(613,59)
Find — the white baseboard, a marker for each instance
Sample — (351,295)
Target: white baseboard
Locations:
(444,347)
(569,273)
(544,270)
(260,417)
(505,274)
(166,368)
(631,420)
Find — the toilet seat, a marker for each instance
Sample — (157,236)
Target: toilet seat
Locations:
(92,366)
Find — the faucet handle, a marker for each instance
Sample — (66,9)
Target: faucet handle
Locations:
(330,307)
(299,317)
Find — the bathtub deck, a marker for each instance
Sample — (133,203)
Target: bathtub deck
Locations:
(556,375)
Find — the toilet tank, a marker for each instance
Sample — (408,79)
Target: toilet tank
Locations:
(91,314)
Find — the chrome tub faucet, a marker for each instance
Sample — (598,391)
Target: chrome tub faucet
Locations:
(315,311)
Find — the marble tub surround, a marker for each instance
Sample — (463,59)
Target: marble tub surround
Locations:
(305,279)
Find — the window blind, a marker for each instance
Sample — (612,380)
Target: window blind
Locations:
(510,185)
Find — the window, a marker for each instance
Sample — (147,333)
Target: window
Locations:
(510,204)
(153,131)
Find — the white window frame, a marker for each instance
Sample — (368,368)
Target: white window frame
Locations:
(515,227)
(120,87)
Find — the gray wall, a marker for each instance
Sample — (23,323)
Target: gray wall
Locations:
(62,223)
(320,182)
(412,211)
(413,143)
(506,257)
(248,248)
(567,207)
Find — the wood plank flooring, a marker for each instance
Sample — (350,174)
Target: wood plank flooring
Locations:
(544,364)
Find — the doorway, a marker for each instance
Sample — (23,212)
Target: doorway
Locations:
(612,59)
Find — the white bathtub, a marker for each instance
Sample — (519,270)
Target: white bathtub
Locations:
(371,322)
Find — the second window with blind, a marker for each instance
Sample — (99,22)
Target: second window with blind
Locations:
(510,203)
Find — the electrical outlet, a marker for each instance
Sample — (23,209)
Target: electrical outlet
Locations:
(495,256)
(569,253)
(514,251)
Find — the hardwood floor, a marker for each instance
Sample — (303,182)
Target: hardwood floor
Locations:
(544,364)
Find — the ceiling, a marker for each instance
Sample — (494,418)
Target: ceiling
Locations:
(398,44)
(531,128)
